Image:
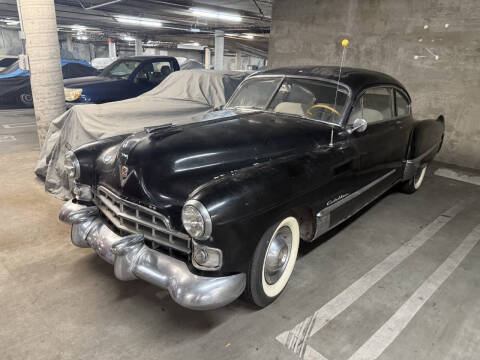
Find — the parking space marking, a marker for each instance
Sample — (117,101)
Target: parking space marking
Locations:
(384,336)
(296,338)
(458,176)
(7,138)
(17,125)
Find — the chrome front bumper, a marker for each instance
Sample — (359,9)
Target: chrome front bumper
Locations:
(132,259)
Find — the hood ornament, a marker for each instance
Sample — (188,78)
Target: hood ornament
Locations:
(124,172)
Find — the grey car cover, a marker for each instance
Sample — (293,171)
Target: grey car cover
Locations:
(183,97)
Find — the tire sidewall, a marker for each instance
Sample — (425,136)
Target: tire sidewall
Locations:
(261,293)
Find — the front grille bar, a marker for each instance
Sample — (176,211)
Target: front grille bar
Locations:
(134,218)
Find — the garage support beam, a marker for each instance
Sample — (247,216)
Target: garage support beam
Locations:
(219,46)
(112,49)
(208,58)
(39,24)
(238,60)
(138,47)
(69,42)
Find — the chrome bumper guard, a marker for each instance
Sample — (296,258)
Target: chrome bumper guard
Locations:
(132,259)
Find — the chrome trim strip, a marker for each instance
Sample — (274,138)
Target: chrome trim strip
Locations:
(357,193)
(323,219)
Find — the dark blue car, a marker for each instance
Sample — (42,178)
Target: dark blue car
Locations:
(123,79)
(15,87)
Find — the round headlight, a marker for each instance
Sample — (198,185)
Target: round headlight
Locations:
(72,94)
(196,220)
(72,165)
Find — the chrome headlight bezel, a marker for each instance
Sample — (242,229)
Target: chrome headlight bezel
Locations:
(72,165)
(72,94)
(201,213)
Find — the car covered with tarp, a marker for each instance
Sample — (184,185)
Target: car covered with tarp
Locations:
(15,86)
(184,97)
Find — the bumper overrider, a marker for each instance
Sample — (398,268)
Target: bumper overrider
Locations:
(132,259)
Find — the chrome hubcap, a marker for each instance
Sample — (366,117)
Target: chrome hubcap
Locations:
(278,253)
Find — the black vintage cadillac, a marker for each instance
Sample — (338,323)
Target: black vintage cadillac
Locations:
(217,208)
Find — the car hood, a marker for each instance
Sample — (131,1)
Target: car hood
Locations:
(162,166)
(87,80)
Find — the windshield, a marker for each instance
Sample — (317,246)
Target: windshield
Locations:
(120,69)
(310,98)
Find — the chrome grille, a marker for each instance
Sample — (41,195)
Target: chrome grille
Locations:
(134,218)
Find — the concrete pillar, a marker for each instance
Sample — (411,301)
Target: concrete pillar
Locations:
(138,47)
(69,42)
(208,58)
(91,48)
(238,60)
(41,39)
(112,49)
(219,40)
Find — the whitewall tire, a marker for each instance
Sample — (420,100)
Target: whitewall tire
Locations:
(412,185)
(273,262)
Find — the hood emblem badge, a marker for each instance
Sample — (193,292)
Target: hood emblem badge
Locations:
(124,172)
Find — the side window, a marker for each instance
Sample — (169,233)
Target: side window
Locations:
(155,72)
(403,108)
(375,105)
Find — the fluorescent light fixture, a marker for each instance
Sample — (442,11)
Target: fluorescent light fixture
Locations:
(248,36)
(128,38)
(82,37)
(79,27)
(12,22)
(138,21)
(215,15)
(194,30)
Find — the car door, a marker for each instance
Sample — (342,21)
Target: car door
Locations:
(377,162)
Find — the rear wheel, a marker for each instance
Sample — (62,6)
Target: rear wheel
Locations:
(273,262)
(412,185)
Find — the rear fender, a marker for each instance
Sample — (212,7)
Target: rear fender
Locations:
(425,142)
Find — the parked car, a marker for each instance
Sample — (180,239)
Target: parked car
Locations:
(123,79)
(213,209)
(101,63)
(6,61)
(15,83)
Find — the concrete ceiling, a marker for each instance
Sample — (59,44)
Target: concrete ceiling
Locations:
(98,18)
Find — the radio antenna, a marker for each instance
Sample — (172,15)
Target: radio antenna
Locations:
(344,51)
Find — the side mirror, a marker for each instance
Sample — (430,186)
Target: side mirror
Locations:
(359,125)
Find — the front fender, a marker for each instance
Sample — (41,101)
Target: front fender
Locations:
(244,204)
(87,156)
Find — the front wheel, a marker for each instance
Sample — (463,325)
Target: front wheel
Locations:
(412,185)
(273,262)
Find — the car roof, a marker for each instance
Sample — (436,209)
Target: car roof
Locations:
(355,78)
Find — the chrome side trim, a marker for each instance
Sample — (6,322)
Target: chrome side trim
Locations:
(323,218)
(132,259)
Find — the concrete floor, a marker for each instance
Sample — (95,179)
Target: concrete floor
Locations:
(61,302)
